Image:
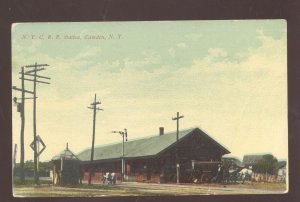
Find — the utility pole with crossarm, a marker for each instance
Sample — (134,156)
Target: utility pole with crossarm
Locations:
(177,137)
(21,109)
(33,73)
(94,108)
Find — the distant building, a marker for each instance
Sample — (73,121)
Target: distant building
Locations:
(154,159)
(281,167)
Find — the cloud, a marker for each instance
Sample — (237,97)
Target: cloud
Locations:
(181,45)
(217,52)
(178,47)
(268,59)
(193,36)
(271,56)
(89,52)
(31,48)
(172,52)
(149,59)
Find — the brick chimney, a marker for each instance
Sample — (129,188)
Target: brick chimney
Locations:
(161,131)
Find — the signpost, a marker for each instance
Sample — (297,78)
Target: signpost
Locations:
(39,152)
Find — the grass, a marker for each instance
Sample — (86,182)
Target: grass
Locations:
(272,186)
(80,191)
(18,182)
(92,186)
(31,183)
(268,186)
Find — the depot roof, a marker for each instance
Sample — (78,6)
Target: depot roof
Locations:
(145,147)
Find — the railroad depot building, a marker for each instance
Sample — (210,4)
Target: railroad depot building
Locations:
(155,158)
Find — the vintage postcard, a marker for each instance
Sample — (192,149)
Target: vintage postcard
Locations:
(149,108)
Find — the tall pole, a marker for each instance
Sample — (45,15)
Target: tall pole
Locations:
(177,137)
(93,141)
(21,109)
(22,127)
(15,156)
(123,158)
(124,137)
(177,129)
(94,128)
(36,174)
(94,107)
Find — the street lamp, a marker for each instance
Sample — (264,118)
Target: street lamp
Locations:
(124,135)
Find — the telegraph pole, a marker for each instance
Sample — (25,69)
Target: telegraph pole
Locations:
(94,108)
(36,67)
(177,137)
(21,109)
(22,127)
(15,156)
(124,135)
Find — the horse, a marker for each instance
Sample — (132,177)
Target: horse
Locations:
(246,174)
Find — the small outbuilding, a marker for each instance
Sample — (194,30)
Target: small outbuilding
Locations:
(66,169)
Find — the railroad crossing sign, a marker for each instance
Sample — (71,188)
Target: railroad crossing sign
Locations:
(38,140)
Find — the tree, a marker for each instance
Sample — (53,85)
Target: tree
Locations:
(43,166)
(267,164)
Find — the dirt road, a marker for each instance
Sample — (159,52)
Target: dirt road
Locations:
(141,189)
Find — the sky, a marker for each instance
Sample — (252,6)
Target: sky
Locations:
(229,78)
